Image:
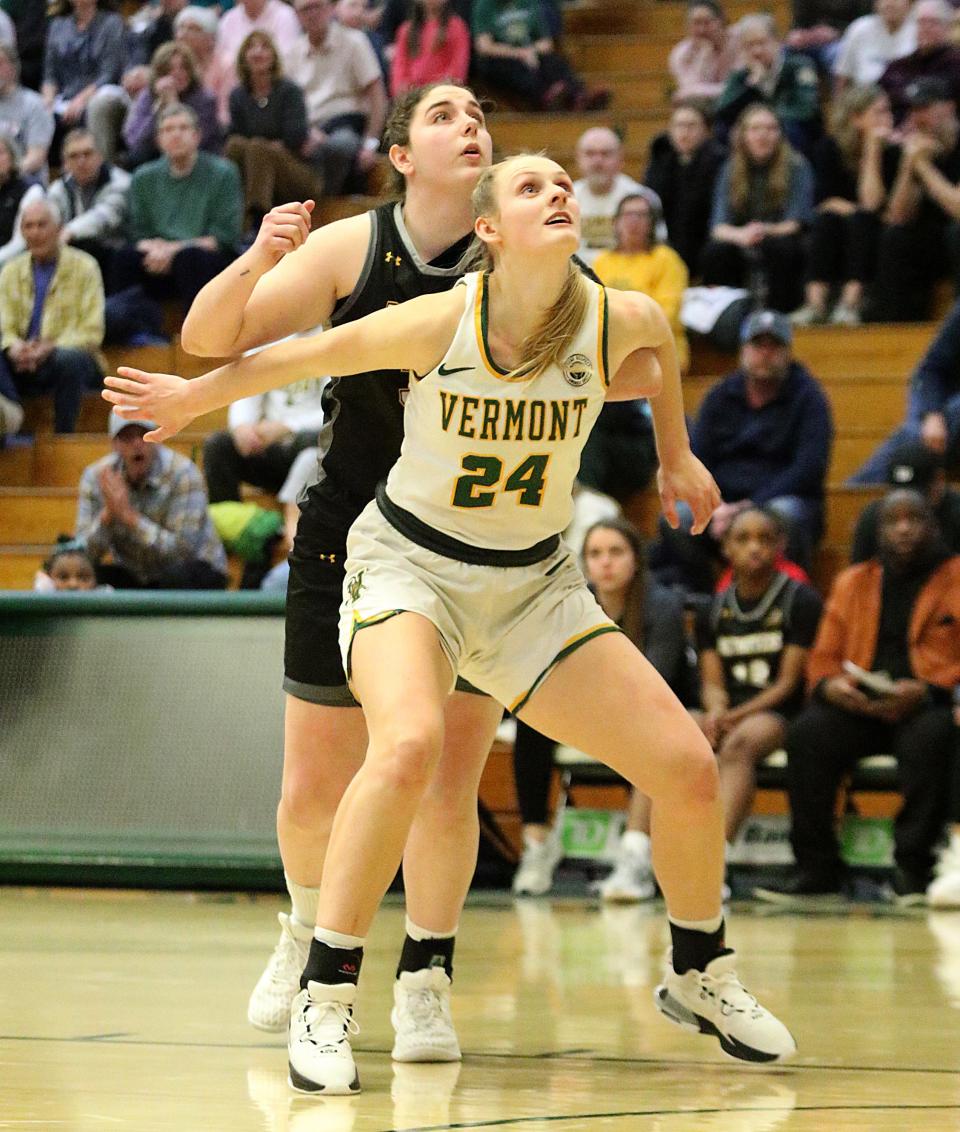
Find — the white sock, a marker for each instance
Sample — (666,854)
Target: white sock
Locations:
(337,939)
(707,926)
(636,843)
(415,932)
(305,901)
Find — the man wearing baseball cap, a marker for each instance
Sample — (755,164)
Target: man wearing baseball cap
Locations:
(913,465)
(764,432)
(146,506)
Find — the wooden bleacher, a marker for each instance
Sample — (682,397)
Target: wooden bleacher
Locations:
(624,47)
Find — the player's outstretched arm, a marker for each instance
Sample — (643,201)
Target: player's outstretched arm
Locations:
(411,336)
(638,327)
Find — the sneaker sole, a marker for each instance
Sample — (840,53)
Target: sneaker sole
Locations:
(425,1055)
(265,1028)
(824,900)
(301,1084)
(686,1019)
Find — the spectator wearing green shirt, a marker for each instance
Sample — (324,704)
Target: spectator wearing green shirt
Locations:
(514,51)
(184,216)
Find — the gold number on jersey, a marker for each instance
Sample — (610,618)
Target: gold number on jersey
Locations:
(528,479)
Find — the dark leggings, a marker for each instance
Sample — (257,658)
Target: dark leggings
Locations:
(777,264)
(843,247)
(532,772)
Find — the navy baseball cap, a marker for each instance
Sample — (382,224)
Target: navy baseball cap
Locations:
(767,323)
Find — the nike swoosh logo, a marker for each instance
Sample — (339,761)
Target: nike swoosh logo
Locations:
(456,369)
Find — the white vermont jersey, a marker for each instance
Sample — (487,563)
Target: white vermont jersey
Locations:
(491,461)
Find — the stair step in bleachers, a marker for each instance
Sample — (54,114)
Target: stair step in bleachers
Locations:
(512,130)
(620,52)
(19,564)
(58,461)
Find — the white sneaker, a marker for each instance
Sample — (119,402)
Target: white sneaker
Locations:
(844,315)
(808,315)
(421,1017)
(11,416)
(534,875)
(944,889)
(715,1002)
(272,997)
(631,880)
(320,1057)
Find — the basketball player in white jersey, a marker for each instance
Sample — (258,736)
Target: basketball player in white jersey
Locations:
(457,567)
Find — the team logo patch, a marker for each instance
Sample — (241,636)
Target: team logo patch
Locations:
(355,585)
(577,370)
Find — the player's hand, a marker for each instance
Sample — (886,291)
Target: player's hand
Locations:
(284,229)
(160,397)
(686,478)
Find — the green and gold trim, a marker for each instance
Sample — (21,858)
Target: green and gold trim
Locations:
(569,646)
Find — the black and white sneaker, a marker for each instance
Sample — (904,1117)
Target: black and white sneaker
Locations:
(320,1057)
(715,1002)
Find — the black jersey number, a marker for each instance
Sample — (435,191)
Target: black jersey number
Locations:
(528,479)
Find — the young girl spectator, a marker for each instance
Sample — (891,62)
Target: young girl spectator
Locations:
(268,126)
(850,188)
(762,200)
(614,561)
(433,44)
(514,51)
(684,162)
(68,569)
(701,62)
(640,262)
(174,79)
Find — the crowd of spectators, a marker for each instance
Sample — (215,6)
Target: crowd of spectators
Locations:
(818,170)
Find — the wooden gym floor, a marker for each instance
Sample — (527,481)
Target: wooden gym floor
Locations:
(126,1011)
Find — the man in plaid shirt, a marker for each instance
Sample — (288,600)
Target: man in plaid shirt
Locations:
(146,506)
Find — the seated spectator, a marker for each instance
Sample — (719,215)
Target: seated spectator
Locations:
(149,30)
(762,200)
(274,17)
(817,26)
(174,78)
(640,262)
(196,27)
(92,199)
(701,62)
(433,44)
(23,117)
(897,615)
(764,432)
(602,185)
(184,214)
(265,436)
(11,411)
(303,473)
(355,14)
(51,312)
(852,176)
(752,642)
(268,126)
(785,83)
(69,569)
(683,168)
(30,31)
(145,506)
(914,466)
(614,562)
(933,405)
(346,98)
(871,42)
(919,239)
(935,57)
(82,66)
(15,194)
(514,51)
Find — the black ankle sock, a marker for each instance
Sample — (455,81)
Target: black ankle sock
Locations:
(693,949)
(331,965)
(419,954)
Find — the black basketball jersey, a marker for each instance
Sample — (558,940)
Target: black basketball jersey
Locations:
(363,414)
(750,642)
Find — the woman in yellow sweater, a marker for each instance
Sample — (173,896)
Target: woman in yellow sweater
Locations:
(640,263)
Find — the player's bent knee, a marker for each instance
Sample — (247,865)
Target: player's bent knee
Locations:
(406,764)
(699,779)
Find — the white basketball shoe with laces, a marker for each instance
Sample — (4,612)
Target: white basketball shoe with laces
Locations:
(320,1057)
(715,1002)
(421,1017)
(272,997)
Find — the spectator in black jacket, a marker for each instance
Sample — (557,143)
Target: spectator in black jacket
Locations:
(684,162)
(764,432)
(268,126)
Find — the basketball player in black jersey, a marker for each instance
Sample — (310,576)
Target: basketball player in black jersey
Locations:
(438,143)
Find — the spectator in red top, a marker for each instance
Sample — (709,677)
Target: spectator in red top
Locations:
(433,44)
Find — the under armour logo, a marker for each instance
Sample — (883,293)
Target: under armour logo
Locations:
(391,258)
(327,557)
